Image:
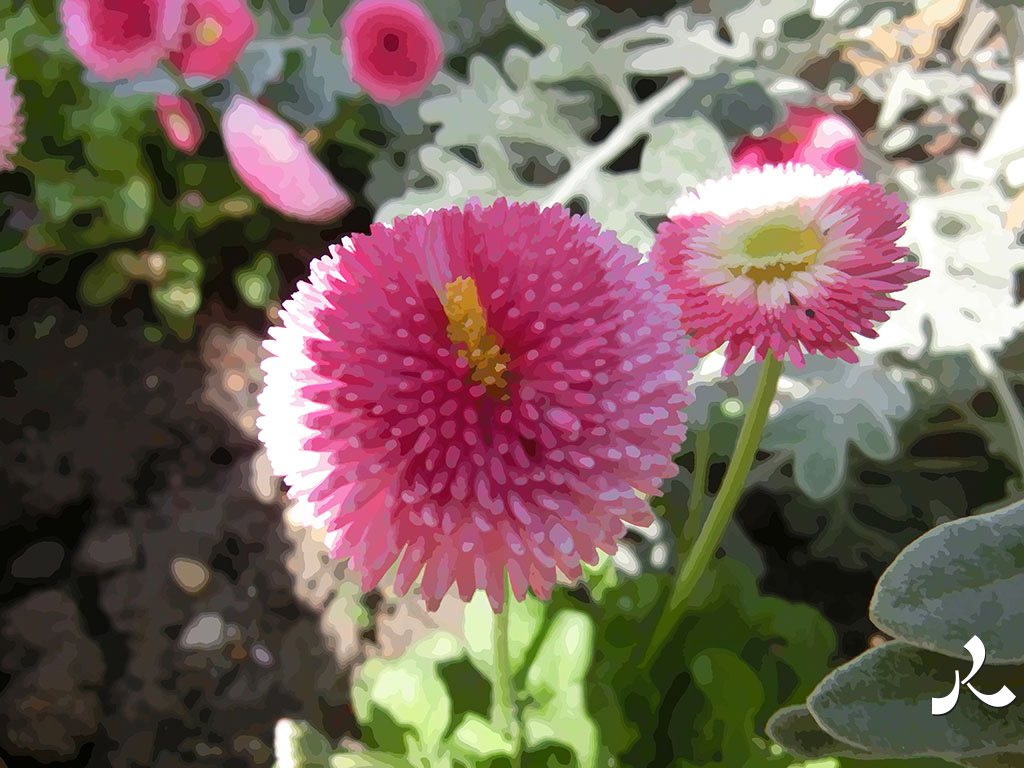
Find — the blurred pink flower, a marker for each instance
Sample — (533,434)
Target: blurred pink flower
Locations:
(807,135)
(272,161)
(781,259)
(216,32)
(180,122)
(12,124)
(121,38)
(474,391)
(393,48)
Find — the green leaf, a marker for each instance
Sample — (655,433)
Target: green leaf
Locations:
(258,282)
(558,712)
(298,745)
(479,739)
(564,654)
(881,702)
(961,579)
(478,629)
(371,759)
(409,690)
(997,760)
(796,731)
(103,282)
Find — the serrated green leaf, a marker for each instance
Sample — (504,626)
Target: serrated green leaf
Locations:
(961,579)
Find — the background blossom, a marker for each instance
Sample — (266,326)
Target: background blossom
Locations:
(393,48)
(121,38)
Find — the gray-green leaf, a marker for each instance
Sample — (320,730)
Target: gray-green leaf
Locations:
(881,702)
(960,579)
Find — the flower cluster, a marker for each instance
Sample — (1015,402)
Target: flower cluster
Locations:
(481,391)
(393,48)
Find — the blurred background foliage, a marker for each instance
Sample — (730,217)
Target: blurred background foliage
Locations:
(611,108)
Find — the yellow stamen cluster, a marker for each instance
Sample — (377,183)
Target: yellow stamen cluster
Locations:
(467,326)
(208,31)
(778,252)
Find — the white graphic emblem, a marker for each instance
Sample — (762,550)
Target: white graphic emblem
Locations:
(1000,698)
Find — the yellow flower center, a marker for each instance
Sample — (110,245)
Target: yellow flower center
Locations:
(467,326)
(777,251)
(208,31)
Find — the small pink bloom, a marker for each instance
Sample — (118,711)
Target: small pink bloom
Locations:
(781,259)
(121,38)
(180,122)
(393,48)
(12,124)
(476,391)
(216,32)
(272,161)
(809,136)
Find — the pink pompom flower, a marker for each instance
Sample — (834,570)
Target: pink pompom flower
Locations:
(808,136)
(12,124)
(782,259)
(476,390)
(393,48)
(121,38)
(216,32)
(274,162)
(180,122)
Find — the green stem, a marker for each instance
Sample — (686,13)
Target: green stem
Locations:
(503,694)
(721,510)
(1007,399)
(698,488)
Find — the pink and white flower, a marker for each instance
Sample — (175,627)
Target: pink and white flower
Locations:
(121,38)
(782,260)
(476,391)
(12,124)
(274,162)
(393,48)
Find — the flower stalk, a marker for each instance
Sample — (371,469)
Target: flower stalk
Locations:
(728,497)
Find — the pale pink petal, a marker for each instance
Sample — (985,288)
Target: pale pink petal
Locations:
(12,124)
(274,162)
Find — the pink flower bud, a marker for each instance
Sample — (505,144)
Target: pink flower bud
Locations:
(216,32)
(180,122)
(807,136)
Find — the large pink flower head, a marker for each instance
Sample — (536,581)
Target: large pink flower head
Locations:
(121,38)
(216,32)
(476,390)
(782,259)
(393,48)
(807,135)
(274,162)
(12,124)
